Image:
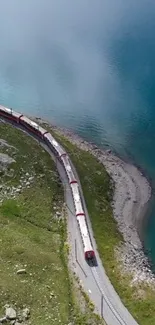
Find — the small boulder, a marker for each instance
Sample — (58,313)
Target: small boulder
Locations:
(26,313)
(3,320)
(10,313)
(18,190)
(108,151)
(31,178)
(13,322)
(22,271)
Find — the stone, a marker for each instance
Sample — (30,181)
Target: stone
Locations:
(26,313)
(10,313)
(18,190)
(108,151)
(21,271)
(3,320)
(31,178)
(13,322)
(6,306)
(5,159)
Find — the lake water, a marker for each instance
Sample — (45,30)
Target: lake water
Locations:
(87,65)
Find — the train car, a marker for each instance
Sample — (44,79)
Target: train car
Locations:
(81,219)
(77,200)
(88,249)
(32,126)
(54,145)
(9,114)
(68,168)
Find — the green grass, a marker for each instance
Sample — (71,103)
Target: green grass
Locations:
(32,238)
(98,192)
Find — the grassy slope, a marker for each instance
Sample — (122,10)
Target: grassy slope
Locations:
(32,238)
(98,193)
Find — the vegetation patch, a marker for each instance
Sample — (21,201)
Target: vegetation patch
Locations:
(33,242)
(98,193)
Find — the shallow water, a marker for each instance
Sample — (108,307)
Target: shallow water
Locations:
(87,65)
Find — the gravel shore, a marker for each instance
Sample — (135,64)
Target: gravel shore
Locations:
(131,196)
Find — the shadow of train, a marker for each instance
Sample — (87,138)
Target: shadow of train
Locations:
(92,262)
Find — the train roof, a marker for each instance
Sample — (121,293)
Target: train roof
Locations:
(55,144)
(75,192)
(9,111)
(33,124)
(77,198)
(69,168)
(51,139)
(84,232)
(5,109)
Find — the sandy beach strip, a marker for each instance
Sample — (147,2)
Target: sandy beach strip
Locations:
(131,195)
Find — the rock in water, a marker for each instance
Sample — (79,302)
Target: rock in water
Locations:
(10,313)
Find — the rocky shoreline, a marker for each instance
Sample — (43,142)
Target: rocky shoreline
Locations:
(131,196)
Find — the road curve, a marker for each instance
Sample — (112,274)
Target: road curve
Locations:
(93,279)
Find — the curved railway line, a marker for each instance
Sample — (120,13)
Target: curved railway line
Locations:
(83,246)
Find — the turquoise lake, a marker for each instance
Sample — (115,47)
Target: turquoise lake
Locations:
(89,66)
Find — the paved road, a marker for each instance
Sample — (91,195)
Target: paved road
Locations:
(93,279)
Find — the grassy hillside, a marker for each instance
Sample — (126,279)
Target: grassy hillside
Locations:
(33,236)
